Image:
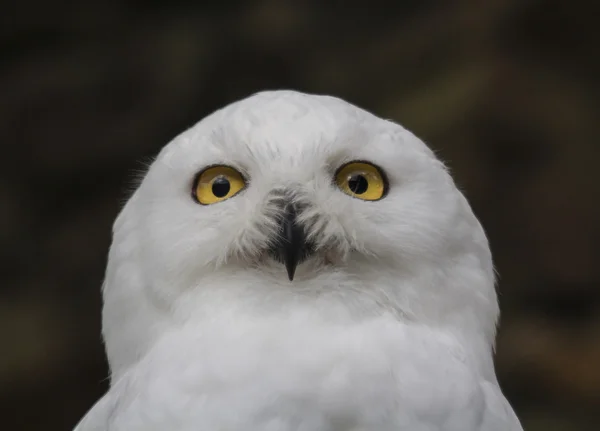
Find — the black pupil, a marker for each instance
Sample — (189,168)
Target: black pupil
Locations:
(221,187)
(358,184)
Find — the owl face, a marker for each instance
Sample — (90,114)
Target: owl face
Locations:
(294,186)
(291,204)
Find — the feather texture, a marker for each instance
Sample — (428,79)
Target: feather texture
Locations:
(388,325)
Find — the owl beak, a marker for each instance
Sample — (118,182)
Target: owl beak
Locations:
(291,247)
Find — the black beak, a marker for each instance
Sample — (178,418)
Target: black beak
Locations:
(291,247)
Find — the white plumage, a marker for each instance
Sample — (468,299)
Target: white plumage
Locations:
(389,321)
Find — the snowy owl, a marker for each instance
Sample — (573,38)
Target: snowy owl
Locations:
(295,263)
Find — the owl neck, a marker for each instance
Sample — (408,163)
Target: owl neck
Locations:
(138,312)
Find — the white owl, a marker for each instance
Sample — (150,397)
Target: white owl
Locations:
(294,263)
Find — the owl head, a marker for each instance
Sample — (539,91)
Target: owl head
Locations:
(287,201)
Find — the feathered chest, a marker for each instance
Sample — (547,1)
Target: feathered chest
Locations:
(289,377)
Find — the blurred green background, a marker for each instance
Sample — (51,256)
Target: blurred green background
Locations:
(506,92)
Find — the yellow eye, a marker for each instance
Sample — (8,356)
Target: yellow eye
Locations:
(362,180)
(217,183)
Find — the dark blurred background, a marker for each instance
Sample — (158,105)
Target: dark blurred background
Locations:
(507,93)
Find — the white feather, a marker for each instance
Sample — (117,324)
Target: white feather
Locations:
(204,333)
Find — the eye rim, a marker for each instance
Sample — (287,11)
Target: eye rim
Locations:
(378,169)
(198,175)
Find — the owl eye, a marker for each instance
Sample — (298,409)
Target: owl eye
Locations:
(362,180)
(217,183)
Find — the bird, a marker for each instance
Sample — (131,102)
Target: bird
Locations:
(293,262)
